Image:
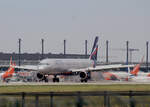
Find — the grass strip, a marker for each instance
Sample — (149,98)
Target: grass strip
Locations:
(67,88)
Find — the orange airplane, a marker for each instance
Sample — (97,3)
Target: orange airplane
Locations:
(121,75)
(9,73)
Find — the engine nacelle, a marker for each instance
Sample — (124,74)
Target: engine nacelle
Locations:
(83,75)
(40,76)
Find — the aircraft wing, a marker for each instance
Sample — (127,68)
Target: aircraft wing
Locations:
(24,67)
(103,68)
(27,67)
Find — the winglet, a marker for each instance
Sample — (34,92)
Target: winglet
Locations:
(11,60)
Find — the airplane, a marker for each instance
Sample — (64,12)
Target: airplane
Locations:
(125,76)
(9,73)
(139,77)
(136,76)
(130,76)
(81,67)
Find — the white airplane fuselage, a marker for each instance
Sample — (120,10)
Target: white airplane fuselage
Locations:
(52,66)
(141,77)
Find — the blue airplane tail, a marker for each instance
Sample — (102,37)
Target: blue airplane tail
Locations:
(94,51)
(93,55)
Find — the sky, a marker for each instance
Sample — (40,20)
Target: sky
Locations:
(76,21)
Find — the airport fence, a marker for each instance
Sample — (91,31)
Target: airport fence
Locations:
(76,99)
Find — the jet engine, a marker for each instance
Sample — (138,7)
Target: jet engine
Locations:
(83,75)
(40,76)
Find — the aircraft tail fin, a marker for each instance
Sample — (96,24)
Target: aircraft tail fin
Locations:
(93,55)
(12,66)
(10,70)
(135,70)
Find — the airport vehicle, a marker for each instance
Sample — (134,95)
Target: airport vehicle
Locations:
(9,73)
(81,67)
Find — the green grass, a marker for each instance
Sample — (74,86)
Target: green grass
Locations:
(66,88)
(71,101)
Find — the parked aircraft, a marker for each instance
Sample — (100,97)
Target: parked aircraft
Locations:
(9,73)
(122,75)
(128,76)
(81,67)
(139,77)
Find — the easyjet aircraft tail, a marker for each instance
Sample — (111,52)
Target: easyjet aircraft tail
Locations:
(10,71)
(135,70)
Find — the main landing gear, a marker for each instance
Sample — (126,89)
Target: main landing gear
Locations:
(45,79)
(84,80)
(55,79)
